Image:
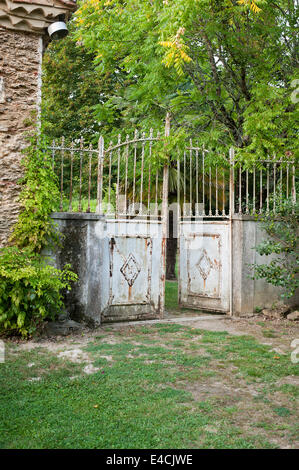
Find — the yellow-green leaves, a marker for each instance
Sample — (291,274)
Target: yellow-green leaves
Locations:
(252,4)
(176,54)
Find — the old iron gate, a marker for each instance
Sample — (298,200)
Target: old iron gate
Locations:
(209,196)
(124,182)
(204,232)
(136,212)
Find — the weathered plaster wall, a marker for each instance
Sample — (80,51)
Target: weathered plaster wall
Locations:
(81,249)
(20,69)
(248,293)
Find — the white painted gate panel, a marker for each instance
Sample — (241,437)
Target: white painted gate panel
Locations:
(130,265)
(204,265)
(134,282)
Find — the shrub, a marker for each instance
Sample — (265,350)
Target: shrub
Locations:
(282,229)
(30,290)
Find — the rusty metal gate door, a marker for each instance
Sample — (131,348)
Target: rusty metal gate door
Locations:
(135,205)
(204,265)
(204,232)
(133,287)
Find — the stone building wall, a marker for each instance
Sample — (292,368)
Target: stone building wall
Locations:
(20,75)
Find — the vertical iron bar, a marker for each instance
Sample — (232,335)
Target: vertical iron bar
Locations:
(89,176)
(71,177)
(274,188)
(240,190)
(197,201)
(232,182)
(157,184)
(53,154)
(109,177)
(117,181)
(203,181)
(61,173)
(210,191)
(223,192)
(190,182)
(126,177)
(100,174)
(280,188)
(261,191)
(253,191)
(142,169)
(149,172)
(80,175)
(267,187)
(247,208)
(293,186)
(134,170)
(178,189)
(156,196)
(216,209)
(184,184)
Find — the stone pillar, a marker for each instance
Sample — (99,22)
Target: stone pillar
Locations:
(23,29)
(20,73)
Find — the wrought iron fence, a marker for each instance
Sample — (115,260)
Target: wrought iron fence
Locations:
(126,179)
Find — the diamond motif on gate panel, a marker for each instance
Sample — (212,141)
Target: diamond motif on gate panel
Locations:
(204,265)
(130,269)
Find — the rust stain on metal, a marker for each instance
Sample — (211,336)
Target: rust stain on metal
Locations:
(112,243)
(130,293)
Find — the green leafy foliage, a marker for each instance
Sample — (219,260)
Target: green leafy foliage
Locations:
(71,88)
(39,197)
(282,229)
(30,290)
(224,69)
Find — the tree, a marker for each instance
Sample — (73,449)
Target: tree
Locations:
(71,89)
(223,69)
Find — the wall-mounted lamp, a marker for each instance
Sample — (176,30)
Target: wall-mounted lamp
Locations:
(57,30)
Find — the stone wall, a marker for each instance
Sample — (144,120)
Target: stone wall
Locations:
(20,76)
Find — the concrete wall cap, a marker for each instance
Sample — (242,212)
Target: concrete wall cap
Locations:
(77,216)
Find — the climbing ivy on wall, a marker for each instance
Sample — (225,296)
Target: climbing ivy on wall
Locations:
(39,197)
(30,288)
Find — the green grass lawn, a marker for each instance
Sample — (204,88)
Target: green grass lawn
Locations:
(171,295)
(157,386)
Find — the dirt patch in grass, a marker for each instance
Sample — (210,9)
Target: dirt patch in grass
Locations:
(74,355)
(290,380)
(282,332)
